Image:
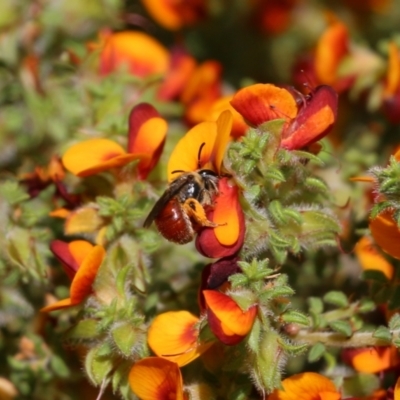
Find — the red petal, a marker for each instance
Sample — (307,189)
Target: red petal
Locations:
(216,327)
(70,254)
(227,319)
(216,274)
(61,251)
(314,120)
(226,239)
(147,132)
(181,68)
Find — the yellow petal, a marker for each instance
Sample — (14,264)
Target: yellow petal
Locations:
(60,213)
(224,127)
(79,250)
(369,257)
(141,53)
(376,359)
(306,386)
(386,233)
(164,13)
(95,155)
(81,286)
(332,47)
(393,73)
(150,140)
(155,378)
(397,390)
(185,155)
(65,303)
(234,320)
(174,335)
(228,213)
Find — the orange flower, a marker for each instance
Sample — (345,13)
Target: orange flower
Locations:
(155,378)
(397,390)
(332,47)
(306,118)
(201,91)
(141,54)
(42,177)
(226,239)
(174,335)
(386,233)
(216,275)
(81,285)
(146,137)
(180,70)
(229,323)
(306,386)
(369,257)
(239,126)
(372,359)
(176,14)
(71,255)
(273,16)
(391,94)
(212,138)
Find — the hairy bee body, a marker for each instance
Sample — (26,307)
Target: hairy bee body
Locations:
(179,212)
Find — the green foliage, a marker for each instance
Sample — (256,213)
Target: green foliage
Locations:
(298,204)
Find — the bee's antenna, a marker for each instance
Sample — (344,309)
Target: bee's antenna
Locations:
(199,154)
(177,171)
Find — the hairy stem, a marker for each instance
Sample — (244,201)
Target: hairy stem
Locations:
(334,339)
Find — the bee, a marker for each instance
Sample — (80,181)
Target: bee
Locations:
(179,213)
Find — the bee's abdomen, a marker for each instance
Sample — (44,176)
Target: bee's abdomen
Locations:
(174,224)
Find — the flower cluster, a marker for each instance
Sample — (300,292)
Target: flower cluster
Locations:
(218,235)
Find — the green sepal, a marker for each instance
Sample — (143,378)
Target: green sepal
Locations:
(292,349)
(316,352)
(336,298)
(273,174)
(383,333)
(342,327)
(278,240)
(374,275)
(253,339)
(105,349)
(59,367)
(361,385)
(122,279)
(305,155)
(315,305)
(275,292)
(366,306)
(316,184)
(269,361)
(13,193)
(85,329)
(120,377)
(296,317)
(394,299)
(394,322)
(124,336)
(379,208)
(97,365)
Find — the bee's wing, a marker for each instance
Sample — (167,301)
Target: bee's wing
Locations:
(175,187)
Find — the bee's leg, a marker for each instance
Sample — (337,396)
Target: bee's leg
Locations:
(197,214)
